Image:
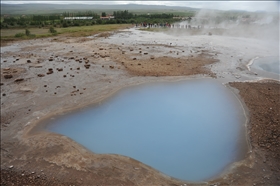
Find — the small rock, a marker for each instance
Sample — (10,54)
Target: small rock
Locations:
(8,76)
(19,79)
(41,75)
(28,61)
(11,167)
(87,66)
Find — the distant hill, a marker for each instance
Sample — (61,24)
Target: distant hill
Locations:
(33,8)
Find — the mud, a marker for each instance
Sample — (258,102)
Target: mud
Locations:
(88,70)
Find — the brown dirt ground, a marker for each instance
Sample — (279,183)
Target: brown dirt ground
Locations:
(263,101)
(49,159)
(168,66)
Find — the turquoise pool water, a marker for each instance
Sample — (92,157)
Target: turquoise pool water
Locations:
(270,64)
(191,130)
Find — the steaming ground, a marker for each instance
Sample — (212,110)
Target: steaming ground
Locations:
(44,77)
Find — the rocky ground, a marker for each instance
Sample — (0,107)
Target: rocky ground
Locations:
(45,77)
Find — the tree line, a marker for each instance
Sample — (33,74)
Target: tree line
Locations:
(120,17)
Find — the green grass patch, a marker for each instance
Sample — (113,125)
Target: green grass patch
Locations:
(12,32)
(78,31)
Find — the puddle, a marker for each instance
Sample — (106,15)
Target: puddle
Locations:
(270,64)
(191,130)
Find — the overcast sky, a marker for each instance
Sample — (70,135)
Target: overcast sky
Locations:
(220,5)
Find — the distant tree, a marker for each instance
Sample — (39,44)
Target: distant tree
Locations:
(99,21)
(27,32)
(65,24)
(103,14)
(52,30)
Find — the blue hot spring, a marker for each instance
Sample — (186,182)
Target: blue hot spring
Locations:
(270,64)
(191,130)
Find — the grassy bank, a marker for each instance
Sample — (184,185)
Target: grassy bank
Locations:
(9,34)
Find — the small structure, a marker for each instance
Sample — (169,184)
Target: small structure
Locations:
(107,17)
(75,18)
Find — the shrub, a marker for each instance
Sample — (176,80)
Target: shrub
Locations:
(19,35)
